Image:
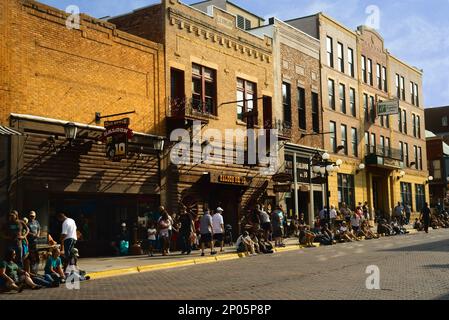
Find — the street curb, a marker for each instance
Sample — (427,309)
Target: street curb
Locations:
(196,261)
(177,264)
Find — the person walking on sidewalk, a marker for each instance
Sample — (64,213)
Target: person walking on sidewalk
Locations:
(68,237)
(35,231)
(425,217)
(398,212)
(218,227)
(265,223)
(206,229)
(276,222)
(186,230)
(151,232)
(164,233)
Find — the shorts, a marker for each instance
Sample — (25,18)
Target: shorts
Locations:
(266,226)
(218,237)
(205,238)
(152,243)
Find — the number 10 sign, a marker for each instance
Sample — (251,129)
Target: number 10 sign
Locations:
(116,136)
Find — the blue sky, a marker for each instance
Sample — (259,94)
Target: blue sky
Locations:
(416,31)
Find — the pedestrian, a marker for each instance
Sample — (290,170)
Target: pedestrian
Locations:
(277,226)
(366,210)
(265,223)
(25,244)
(12,277)
(408,214)
(346,212)
(53,268)
(206,229)
(425,217)
(151,232)
(164,233)
(186,230)
(31,265)
(355,223)
(68,237)
(398,212)
(13,236)
(332,217)
(218,227)
(35,231)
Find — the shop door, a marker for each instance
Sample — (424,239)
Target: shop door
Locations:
(228,199)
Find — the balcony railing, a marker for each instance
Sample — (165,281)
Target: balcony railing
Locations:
(389,153)
(189,108)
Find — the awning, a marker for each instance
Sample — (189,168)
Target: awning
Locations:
(5,131)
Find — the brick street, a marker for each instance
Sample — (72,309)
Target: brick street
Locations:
(411,267)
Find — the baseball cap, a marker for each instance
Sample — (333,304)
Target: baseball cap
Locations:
(123,224)
(219,209)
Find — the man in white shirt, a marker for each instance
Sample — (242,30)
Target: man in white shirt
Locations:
(218,227)
(333,216)
(68,237)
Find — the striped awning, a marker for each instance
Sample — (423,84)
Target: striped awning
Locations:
(5,131)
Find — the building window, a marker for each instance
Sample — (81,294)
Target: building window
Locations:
(333,136)
(406,194)
(243,23)
(346,192)
(420,194)
(416,95)
(287,104)
(371,109)
(315,112)
(403,88)
(342,92)
(418,126)
(344,138)
(382,145)
(352,102)
(401,148)
(246,98)
(444,121)
(400,120)
(341,60)
(331,92)
(351,62)
(398,87)
(406,158)
(412,93)
(404,121)
(364,69)
(378,75)
(370,72)
(436,166)
(367,148)
(388,147)
(420,158)
(204,89)
(302,108)
(365,106)
(330,52)
(384,79)
(373,142)
(387,121)
(354,142)
(415,151)
(414,124)
(381,118)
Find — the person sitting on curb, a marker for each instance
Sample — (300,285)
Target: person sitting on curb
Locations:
(367,232)
(344,234)
(53,267)
(264,246)
(306,237)
(12,277)
(245,245)
(383,228)
(418,225)
(31,265)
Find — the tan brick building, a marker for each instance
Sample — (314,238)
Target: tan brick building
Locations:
(215,74)
(52,75)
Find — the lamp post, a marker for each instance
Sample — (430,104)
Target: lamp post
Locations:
(323,166)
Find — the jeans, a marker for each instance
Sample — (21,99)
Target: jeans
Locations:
(185,242)
(44,282)
(69,244)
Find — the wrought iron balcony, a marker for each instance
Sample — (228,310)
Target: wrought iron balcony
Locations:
(190,109)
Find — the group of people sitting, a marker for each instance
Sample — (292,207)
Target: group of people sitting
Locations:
(437,220)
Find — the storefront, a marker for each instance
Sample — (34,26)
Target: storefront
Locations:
(51,173)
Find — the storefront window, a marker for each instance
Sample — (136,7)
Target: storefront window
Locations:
(420,196)
(406,194)
(346,191)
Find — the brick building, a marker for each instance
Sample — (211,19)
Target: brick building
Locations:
(438,164)
(437,121)
(52,75)
(220,76)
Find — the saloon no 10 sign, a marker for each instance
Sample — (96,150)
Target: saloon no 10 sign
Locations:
(116,136)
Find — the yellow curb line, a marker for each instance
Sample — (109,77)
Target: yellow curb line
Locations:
(169,265)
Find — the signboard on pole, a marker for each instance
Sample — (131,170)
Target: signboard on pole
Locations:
(386,108)
(116,136)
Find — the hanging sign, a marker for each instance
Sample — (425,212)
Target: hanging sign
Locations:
(116,136)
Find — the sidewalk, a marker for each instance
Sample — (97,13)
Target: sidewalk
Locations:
(113,266)
(98,268)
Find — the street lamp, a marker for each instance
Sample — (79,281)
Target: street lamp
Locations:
(429,180)
(360,168)
(70,131)
(323,166)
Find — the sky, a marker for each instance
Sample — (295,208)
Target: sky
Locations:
(415,31)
